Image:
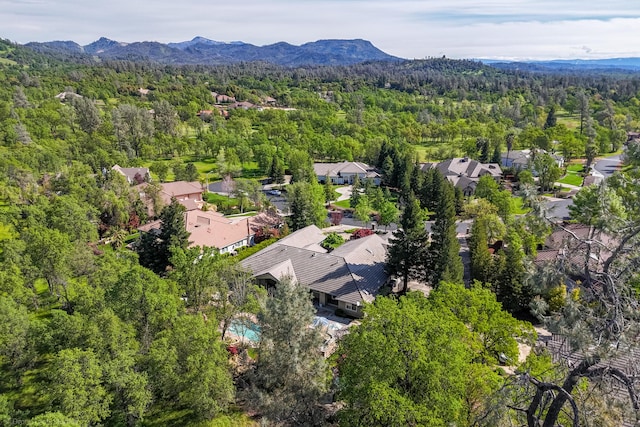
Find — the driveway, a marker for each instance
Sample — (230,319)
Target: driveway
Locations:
(608,165)
(345,192)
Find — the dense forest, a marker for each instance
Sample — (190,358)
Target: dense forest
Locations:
(95,333)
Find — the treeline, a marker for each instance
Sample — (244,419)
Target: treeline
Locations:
(89,336)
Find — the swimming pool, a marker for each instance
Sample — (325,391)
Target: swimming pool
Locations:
(245,328)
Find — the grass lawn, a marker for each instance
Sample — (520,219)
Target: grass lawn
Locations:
(575,168)
(342,204)
(573,176)
(208,166)
(571,179)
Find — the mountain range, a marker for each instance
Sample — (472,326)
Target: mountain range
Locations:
(201,50)
(569,65)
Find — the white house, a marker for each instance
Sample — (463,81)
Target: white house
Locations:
(345,172)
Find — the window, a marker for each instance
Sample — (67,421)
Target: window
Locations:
(352,307)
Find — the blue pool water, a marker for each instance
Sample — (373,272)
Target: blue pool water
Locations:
(246,329)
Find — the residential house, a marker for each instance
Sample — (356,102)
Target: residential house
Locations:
(345,172)
(212,229)
(222,99)
(65,96)
(189,194)
(133,175)
(523,159)
(345,278)
(569,244)
(465,173)
(245,105)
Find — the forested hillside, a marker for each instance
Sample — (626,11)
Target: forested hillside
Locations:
(90,336)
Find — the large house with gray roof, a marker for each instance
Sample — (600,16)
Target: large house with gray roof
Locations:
(464,172)
(346,278)
(345,172)
(523,159)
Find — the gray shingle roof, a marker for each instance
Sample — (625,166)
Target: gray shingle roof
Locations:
(334,169)
(353,273)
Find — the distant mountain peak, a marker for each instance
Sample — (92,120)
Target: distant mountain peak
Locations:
(194,41)
(201,50)
(102,45)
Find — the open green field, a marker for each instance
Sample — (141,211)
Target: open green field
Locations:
(207,169)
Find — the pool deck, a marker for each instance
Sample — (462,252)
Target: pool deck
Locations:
(329,313)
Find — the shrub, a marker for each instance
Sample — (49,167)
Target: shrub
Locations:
(360,233)
(332,241)
(247,251)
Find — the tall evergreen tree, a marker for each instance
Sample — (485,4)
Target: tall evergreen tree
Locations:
(510,287)
(276,171)
(481,262)
(290,376)
(551,120)
(406,256)
(444,251)
(154,248)
(355,192)
(306,202)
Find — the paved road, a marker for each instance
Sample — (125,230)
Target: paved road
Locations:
(559,208)
(608,165)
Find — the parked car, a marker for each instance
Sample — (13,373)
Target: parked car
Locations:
(274,192)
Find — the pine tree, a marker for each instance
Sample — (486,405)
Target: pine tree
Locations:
(551,118)
(290,376)
(276,171)
(407,252)
(444,251)
(154,248)
(306,202)
(328,189)
(355,192)
(510,288)
(481,262)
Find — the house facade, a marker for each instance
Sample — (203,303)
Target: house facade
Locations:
(523,159)
(344,173)
(346,278)
(212,229)
(133,175)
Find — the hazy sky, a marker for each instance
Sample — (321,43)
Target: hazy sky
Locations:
(522,29)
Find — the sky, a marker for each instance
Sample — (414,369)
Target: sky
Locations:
(491,29)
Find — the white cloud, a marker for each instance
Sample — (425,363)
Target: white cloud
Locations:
(406,28)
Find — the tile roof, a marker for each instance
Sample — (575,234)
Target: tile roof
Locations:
(306,238)
(463,166)
(210,228)
(181,188)
(352,273)
(334,169)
